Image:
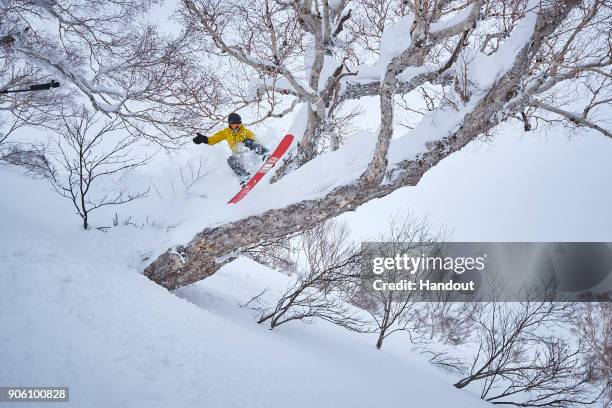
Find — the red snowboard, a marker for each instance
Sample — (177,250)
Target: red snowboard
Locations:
(269,163)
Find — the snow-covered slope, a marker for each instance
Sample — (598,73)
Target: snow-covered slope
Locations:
(74,313)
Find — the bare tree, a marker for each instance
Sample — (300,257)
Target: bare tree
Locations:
(594,327)
(523,360)
(388,307)
(531,50)
(317,293)
(87,156)
(193,173)
(445,322)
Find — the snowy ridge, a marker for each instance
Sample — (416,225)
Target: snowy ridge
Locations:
(74,313)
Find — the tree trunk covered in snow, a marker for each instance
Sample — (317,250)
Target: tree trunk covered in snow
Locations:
(307,148)
(525,75)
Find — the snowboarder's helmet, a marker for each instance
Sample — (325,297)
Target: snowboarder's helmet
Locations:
(234,119)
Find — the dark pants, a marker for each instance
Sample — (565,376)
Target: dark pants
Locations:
(256,147)
(234,162)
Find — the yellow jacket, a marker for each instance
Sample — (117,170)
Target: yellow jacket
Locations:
(233,138)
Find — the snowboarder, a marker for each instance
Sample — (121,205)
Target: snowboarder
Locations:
(236,135)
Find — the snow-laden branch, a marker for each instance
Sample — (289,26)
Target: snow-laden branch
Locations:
(107,58)
(575,118)
(99,98)
(421,43)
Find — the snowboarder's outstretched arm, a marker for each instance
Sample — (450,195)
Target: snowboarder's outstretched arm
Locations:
(215,138)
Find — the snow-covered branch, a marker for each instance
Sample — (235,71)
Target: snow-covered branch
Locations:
(422,41)
(575,118)
(122,67)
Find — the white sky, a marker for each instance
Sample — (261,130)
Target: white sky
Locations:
(518,187)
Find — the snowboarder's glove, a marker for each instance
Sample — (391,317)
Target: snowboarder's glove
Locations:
(200,139)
